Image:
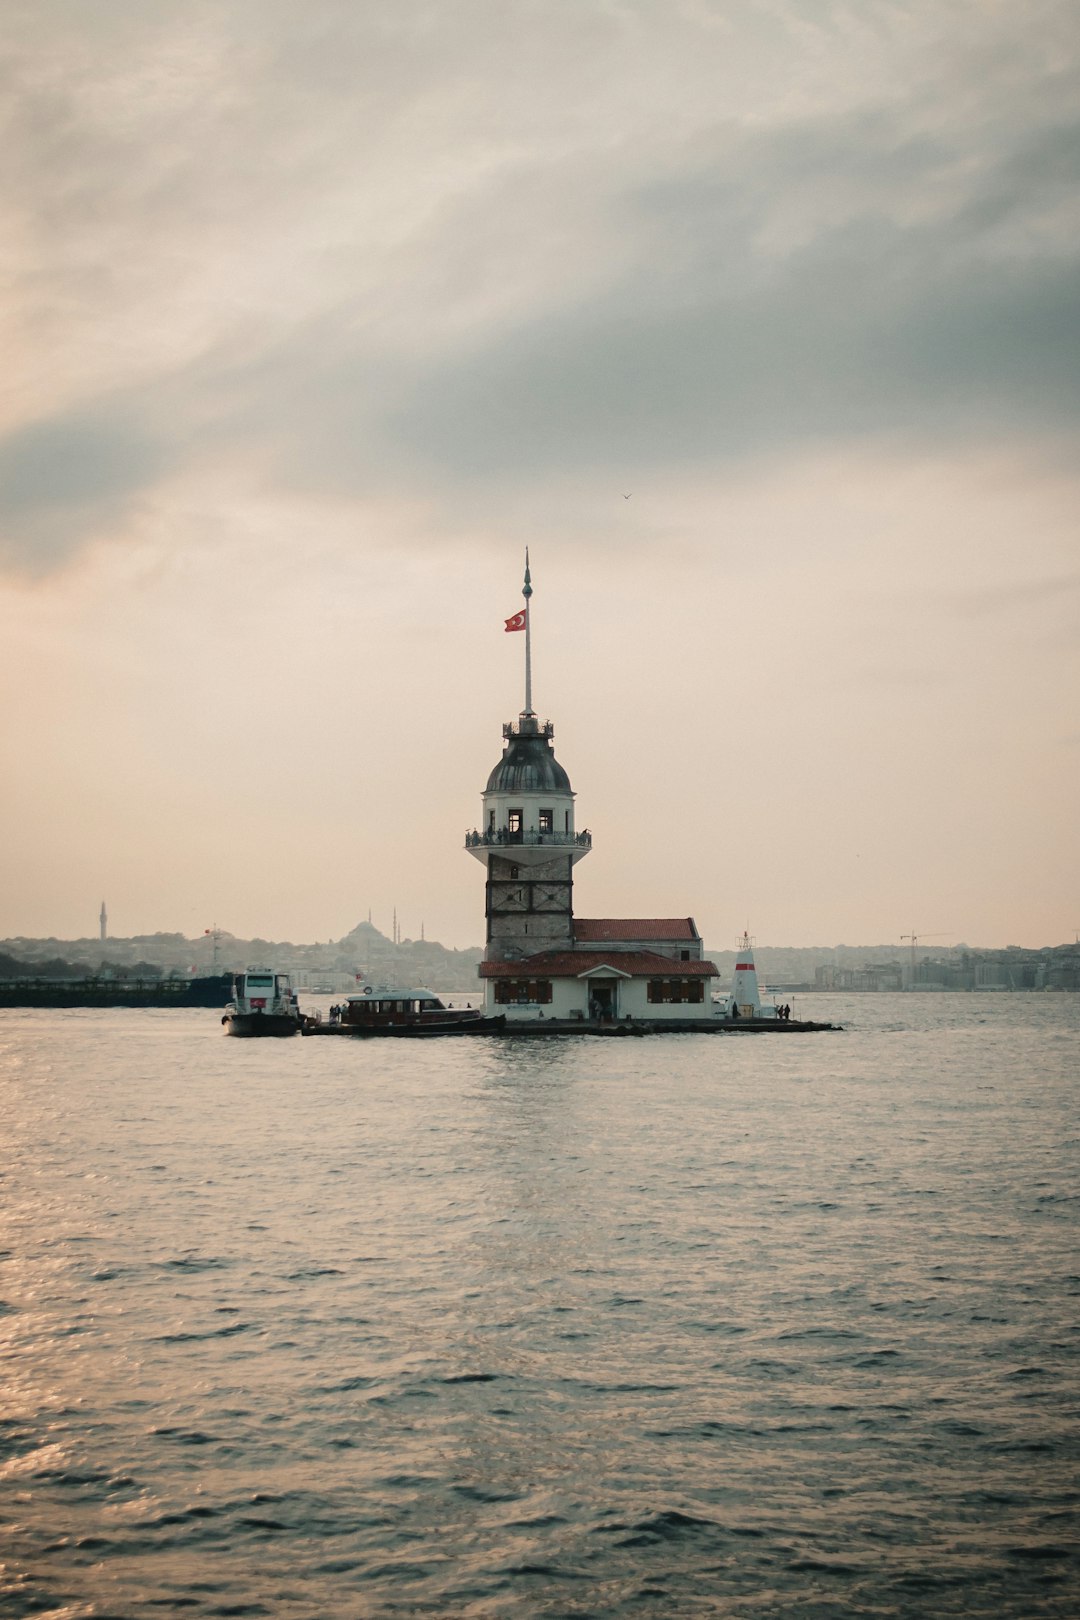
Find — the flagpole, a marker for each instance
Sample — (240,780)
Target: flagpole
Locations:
(527,593)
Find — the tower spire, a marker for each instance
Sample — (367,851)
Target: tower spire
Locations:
(526,592)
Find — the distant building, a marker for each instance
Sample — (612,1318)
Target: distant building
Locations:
(104,922)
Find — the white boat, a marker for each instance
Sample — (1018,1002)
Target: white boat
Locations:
(264,1003)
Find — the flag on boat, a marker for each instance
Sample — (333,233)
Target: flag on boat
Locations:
(517,622)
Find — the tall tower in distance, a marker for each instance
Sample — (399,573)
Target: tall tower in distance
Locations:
(103,922)
(527,839)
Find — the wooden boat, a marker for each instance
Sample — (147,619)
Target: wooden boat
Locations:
(384,1011)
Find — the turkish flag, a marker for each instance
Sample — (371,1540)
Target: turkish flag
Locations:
(518,620)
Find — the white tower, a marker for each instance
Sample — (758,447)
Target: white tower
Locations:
(527,839)
(745,992)
(104,921)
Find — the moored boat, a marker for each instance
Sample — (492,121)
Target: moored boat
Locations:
(387,1011)
(264,1003)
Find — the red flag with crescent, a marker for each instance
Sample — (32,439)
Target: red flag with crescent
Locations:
(517,622)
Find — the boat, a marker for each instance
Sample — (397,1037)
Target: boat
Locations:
(388,1011)
(105,990)
(264,1003)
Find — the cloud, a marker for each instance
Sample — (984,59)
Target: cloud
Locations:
(353,250)
(68,479)
(726,340)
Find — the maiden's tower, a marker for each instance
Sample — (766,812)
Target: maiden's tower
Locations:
(540,962)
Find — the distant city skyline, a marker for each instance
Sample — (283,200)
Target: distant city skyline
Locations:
(760,329)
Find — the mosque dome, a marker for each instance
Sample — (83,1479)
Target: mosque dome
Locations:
(528,764)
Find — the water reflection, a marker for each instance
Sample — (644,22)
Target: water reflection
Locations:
(575,1327)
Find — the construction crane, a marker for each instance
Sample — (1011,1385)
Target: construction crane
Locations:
(915,938)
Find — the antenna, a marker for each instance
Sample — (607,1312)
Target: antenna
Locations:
(215,936)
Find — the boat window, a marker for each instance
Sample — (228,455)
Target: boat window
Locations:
(260,981)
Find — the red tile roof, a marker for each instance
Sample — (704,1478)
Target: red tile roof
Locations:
(611,929)
(572,964)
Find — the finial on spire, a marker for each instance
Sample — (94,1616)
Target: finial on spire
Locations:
(527,591)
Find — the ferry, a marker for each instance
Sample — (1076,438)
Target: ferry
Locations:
(264,1003)
(386,1011)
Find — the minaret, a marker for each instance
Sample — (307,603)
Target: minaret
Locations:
(527,839)
(104,921)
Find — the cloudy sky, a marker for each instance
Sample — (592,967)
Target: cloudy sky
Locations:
(316,315)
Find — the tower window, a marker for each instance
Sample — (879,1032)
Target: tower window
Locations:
(547,821)
(566,828)
(491,821)
(515,822)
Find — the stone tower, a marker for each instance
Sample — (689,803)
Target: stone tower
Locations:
(527,839)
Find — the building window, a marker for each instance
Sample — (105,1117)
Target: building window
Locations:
(522,992)
(677,990)
(491,821)
(547,821)
(685,955)
(514,871)
(515,821)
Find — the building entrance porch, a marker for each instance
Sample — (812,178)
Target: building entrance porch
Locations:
(603,998)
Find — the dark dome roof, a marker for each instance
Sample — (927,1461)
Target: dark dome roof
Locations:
(528,764)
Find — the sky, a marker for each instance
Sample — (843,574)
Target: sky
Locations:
(757,323)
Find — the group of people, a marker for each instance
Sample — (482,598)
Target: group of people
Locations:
(783,1013)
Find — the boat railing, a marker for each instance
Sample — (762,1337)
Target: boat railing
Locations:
(503,837)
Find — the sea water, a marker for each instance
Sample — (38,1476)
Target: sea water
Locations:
(777,1325)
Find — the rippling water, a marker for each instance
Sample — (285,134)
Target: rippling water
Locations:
(687,1325)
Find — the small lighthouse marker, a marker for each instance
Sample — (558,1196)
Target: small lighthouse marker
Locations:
(745,993)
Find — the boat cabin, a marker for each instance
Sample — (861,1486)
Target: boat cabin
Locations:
(377,1008)
(263,990)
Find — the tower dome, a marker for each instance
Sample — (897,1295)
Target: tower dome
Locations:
(528,764)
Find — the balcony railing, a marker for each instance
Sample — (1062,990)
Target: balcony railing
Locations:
(528,726)
(503,838)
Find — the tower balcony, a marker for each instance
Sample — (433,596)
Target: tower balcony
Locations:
(527,725)
(503,838)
